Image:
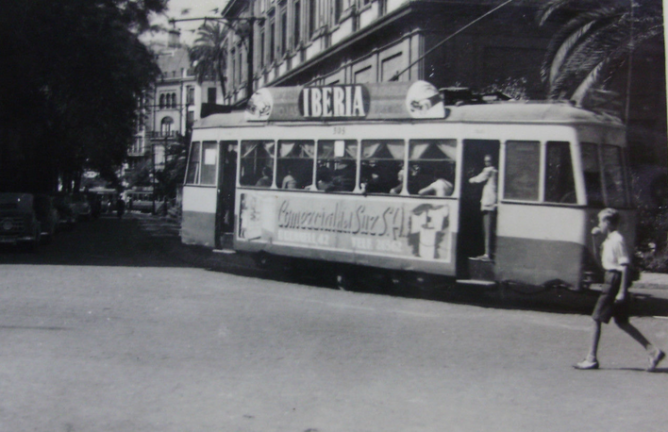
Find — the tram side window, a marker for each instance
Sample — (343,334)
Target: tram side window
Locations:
(294,166)
(382,166)
(522,170)
(337,165)
(209,162)
(592,174)
(193,165)
(559,181)
(613,176)
(257,163)
(431,167)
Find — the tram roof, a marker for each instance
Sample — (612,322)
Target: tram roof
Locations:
(496,112)
(391,102)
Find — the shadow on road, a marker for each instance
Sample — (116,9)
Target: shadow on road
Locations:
(140,240)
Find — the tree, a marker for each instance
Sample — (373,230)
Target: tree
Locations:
(597,39)
(71,73)
(210,54)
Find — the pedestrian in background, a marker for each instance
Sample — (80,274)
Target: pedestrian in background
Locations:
(120,207)
(614,298)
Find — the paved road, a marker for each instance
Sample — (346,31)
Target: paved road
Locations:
(115,328)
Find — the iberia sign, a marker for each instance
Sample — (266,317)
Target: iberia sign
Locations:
(372,101)
(334,102)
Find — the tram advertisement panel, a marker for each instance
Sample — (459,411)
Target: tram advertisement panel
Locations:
(418,229)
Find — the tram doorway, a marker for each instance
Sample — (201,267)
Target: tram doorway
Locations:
(227,181)
(471,239)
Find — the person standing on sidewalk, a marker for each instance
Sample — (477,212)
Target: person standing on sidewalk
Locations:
(614,299)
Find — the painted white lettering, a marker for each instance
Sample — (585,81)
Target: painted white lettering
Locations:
(327,102)
(339,107)
(305,103)
(316,102)
(349,103)
(358,102)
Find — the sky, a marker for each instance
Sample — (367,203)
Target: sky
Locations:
(187,9)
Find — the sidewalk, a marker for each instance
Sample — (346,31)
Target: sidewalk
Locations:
(652,281)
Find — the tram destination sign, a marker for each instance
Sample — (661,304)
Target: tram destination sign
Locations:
(374,101)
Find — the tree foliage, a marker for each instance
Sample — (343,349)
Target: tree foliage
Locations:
(209,53)
(596,40)
(71,75)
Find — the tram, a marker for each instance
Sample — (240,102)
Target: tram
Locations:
(342,174)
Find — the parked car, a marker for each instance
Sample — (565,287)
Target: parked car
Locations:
(81,207)
(66,216)
(47,214)
(18,220)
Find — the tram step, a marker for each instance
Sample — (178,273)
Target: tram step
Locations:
(481,270)
(225,251)
(476,282)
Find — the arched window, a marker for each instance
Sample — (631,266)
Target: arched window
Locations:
(173,100)
(166,126)
(162,101)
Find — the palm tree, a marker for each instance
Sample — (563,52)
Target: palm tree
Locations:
(595,42)
(210,54)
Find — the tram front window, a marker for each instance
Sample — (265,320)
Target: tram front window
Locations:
(559,182)
(431,167)
(592,175)
(193,164)
(382,163)
(294,167)
(337,165)
(257,163)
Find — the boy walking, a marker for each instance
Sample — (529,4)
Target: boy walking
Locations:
(614,299)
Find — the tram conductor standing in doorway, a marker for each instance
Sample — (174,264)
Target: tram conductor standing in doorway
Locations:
(488,176)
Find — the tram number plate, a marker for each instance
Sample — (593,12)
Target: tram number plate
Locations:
(339,130)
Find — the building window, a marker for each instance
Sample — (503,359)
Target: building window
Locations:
(272,39)
(166,126)
(234,66)
(312,17)
(338,7)
(162,101)
(298,22)
(211,95)
(284,30)
(262,42)
(240,64)
(190,95)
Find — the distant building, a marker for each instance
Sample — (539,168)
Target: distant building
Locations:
(356,41)
(167,113)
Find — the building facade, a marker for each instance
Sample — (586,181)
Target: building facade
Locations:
(167,113)
(296,42)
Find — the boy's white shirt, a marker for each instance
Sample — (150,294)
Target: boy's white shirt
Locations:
(614,256)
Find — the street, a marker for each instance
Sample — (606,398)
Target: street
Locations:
(118,327)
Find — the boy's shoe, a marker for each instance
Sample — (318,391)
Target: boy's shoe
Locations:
(655,360)
(586,365)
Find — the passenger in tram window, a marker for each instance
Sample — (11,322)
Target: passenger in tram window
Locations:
(265,180)
(439,187)
(324,179)
(289,181)
(344,177)
(399,187)
(487,203)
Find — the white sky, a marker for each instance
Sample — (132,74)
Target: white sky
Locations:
(187,9)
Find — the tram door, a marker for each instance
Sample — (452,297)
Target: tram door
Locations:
(227,178)
(471,239)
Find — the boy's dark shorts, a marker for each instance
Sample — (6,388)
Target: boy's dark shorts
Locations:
(606,307)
